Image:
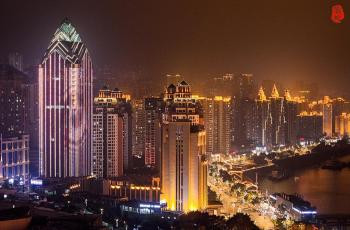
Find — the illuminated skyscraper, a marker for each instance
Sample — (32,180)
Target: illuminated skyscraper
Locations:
(13,101)
(217,122)
(14,123)
(107,150)
(327,116)
(184,165)
(152,132)
(277,118)
(290,115)
(138,128)
(65,106)
(261,121)
(242,102)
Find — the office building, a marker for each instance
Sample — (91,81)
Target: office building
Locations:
(184,164)
(65,105)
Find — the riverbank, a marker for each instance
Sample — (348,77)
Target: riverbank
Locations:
(328,190)
(318,155)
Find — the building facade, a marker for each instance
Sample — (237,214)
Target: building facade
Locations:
(342,124)
(108,138)
(309,126)
(290,116)
(65,106)
(14,157)
(184,164)
(261,121)
(217,115)
(138,128)
(277,118)
(152,132)
(13,102)
(327,111)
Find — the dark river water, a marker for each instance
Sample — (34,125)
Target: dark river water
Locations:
(328,190)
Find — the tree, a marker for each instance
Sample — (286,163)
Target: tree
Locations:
(241,221)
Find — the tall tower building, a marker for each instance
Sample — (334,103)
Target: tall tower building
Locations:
(107,151)
(217,122)
(13,101)
(14,143)
(152,132)
(277,118)
(327,111)
(184,165)
(138,128)
(242,101)
(290,115)
(65,106)
(262,121)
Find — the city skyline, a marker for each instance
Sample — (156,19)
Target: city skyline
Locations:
(175,115)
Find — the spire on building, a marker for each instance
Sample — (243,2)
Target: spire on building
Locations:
(67,42)
(261,94)
(274,92)
(287,95)
(66,32)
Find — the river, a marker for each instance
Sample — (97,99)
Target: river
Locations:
(328,190)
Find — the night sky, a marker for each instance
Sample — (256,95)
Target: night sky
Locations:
(284,40)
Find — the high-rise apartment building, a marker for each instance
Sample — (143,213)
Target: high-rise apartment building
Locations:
(184,165)
(138,128)
(290,115)
(338,108)
(221,86)
(327,111)
(108,138)
(277,118)
(242,102)
(217,115)
(152,131)
(342,124)
(13,102)
(261,121)
(65,106)
(309,126)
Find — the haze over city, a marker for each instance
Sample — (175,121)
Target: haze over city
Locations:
(279,40)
